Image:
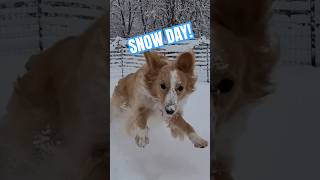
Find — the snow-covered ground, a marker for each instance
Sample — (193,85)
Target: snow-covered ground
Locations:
(165,158)
(281,141)
(282,137)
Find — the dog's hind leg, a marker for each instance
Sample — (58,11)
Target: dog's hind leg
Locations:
(119,99)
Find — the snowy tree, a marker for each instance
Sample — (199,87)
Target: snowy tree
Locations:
(123,15)
(138,17)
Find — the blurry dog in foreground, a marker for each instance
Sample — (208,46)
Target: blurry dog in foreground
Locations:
(244,56)
(56,122)
(159,85)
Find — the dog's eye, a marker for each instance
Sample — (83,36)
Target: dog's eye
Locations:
(225,86)
(180,88)
(163,86)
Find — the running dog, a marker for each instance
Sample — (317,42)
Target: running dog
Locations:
(243,57)
(162,85)
(56,121)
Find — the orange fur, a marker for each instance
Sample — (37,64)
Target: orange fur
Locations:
(146,91)
(64,87)
(242,42)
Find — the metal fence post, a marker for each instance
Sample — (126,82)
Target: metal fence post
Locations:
(39,4)
(122,68)
(313,33)
(208,76)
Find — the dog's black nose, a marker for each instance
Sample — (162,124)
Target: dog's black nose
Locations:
(169,111)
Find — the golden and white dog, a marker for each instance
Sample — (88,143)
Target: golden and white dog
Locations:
(64,88)
(159,85)
(243,44)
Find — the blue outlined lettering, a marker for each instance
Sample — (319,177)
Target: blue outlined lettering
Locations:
(161,37)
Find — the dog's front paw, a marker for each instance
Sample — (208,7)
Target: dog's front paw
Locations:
(197,141)
(142,138)
(200,143)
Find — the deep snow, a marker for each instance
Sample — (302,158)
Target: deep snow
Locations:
(281,141)
(282,137)
(165,158)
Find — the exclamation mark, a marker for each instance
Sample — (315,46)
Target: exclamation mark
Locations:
(190,31)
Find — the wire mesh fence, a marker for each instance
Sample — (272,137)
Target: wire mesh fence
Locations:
(37,24)
(296,23)
(122,62)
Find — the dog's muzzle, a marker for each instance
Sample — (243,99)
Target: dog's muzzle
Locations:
(170,109)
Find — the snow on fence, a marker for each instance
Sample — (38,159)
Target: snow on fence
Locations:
(29,26)
(123,63)
(297,25)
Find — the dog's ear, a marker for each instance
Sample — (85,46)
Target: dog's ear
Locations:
(185,62)
(244,17)
(154,60)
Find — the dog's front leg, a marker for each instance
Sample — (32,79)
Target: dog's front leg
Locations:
(186,128)
(142,138)
(226,134)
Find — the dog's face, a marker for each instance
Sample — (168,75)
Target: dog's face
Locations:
(228,74)
(243,76)
(170,81)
